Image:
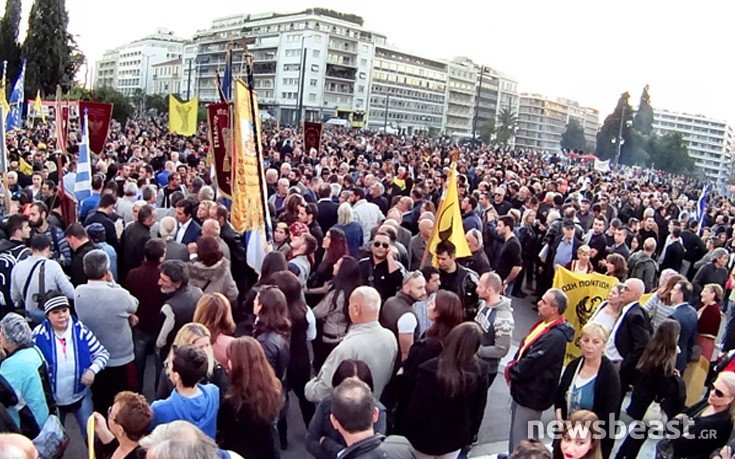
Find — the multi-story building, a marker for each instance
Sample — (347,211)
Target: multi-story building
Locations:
(460,109)
(167,77)
(315,59)
(407,92)
(188,71)
(128,68)
(711,141)
(542,121)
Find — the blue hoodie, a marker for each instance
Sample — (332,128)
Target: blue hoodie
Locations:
(200,410)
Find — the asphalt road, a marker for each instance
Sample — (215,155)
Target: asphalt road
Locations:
(495,426)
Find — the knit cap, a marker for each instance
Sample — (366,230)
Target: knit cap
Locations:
(55,302)
(16,330)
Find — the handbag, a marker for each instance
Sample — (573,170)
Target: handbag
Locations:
(53,440)
(544,253)
(654,413)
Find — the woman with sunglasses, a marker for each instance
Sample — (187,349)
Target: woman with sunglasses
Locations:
(710,422)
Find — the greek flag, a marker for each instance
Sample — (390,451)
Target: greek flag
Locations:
(83,184)
(702,204)
(15,115)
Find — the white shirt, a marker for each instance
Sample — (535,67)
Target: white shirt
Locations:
(65,367)
(182,230)
(407,323)
(611,351)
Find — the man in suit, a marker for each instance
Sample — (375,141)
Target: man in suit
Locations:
(686,315)
(188,230)
(327,216)
(630,335)
(174,250)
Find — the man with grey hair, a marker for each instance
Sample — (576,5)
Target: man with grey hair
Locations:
(174,250)
(211,228)
(714,272)
(278,199)
(180,306)
(478,262)
(180,439)
(366,340)
(206,193)
(417,246)
(533,374)
(124,205)
(108,310)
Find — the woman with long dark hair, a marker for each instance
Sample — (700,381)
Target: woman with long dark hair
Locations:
(281,238)
(301,258)
(303,329)
(272,263)
(445,312)
(331,312)
(335,247)
(449,399)
(251,404)
(658,382)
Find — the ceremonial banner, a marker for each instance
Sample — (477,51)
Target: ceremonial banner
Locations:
(448,225)
(3,90)
(14,118)
(585,292)
(99,115)
(182,116)
(3,146)
(38,106)
(249,209)
(220,141)
(312,136)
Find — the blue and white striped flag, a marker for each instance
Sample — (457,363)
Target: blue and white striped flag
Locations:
(15,115)
(701,209)
(83,184)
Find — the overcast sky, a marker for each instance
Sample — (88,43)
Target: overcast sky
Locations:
(587,51)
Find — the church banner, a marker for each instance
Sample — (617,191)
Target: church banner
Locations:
(99,115)
(312,136)
(221,142)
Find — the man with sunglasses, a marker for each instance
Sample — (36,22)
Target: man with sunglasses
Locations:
(381,270)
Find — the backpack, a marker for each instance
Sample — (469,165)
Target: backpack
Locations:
(8,259)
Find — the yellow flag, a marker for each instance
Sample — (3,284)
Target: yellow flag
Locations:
(182,116)
(585,292)
(38,106)
(24,167)
(249,211)
(4,96)
(448,225)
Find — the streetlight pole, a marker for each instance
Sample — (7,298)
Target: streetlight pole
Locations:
(301,82)
(385,119)
(188,82)
(477,103)
(620,135)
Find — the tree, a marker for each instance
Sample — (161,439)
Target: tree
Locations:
(643,121)
(157,102)
(506,127)
(670,152)
(573,137)
(486,130)
(607,136)
(122,108)
(52,56)
(9,46)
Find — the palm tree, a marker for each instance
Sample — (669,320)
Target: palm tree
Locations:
(506,126)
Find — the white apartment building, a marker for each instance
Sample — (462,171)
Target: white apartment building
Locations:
(314,59)
(129,67)
(407,92)
(167,77)
(461,91)
(542,121)
(711,141)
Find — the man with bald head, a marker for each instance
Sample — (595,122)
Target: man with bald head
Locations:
(14,446)
(366,340)
(417,247)
(393,218)
(630,335)
(174,250)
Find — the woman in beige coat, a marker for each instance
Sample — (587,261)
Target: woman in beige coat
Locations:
(211,270)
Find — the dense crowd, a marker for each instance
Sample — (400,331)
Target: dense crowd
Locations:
(348,312)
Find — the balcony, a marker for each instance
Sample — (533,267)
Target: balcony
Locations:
(341,72)
(341,60)
(344,47)
(264,68)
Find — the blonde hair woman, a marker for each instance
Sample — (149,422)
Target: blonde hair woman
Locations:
(199,336)
(214,312)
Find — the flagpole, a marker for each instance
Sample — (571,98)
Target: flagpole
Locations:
(248,58)
(4,160)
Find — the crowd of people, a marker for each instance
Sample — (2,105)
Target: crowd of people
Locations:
(373,335)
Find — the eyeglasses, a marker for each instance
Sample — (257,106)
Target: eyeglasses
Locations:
(718,392)
(109,415)
(377,244)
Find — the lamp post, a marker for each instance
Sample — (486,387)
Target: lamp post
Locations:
(619,140)
(477,103)
(385,119)
(302,83)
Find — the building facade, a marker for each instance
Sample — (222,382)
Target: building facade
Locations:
(461,91)
(542,121)
(316,60)
(129,67)
(407,92)
(167,77)
(710,141)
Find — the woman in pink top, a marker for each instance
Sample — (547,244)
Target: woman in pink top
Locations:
(214,312)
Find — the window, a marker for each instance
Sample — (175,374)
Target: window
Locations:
(315,53)
(314,67)
(312,97)
(291,67)
(313,82)
(292,52)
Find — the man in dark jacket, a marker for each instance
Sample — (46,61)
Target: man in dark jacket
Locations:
(180,306)
(79,242)
(133,240)
(353,414)
(457,278)
(533,374)
(102,216)
(12,251)
(327,216)
(686,315)
(397,314)
(694,248)
(238,265)
(714,272)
